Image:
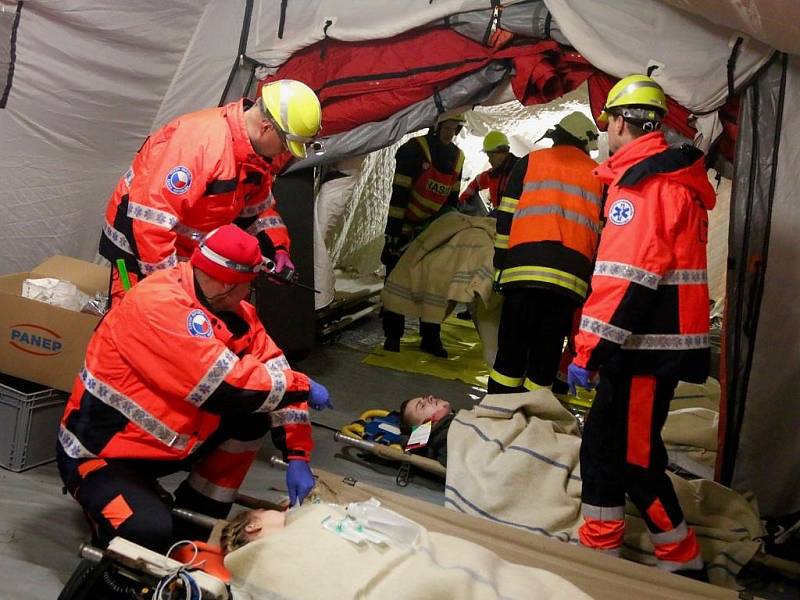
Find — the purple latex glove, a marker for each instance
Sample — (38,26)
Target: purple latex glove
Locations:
(299,481)
(283,261)
(318,396)
(578,376)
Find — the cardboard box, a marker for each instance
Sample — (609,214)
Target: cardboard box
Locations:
(44,343)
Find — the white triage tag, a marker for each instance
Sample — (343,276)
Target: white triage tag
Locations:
(419,437)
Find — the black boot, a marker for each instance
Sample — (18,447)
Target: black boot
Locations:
(431,339)
(434,347)
(393,328)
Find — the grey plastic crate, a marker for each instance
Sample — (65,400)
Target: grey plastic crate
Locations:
(29,417)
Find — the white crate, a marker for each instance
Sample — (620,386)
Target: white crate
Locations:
(29,417)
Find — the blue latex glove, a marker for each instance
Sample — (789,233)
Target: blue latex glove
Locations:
(283,261)
(299,481)
(318,397)
(578,376)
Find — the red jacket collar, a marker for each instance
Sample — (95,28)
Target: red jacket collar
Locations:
(630,154)
(243,150)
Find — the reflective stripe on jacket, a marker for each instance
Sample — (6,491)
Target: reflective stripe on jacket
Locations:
(432,188)
(648,311)
(548,222)
(193,175)
(161,368)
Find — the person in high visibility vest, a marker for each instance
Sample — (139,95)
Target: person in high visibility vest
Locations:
(644,326)
(207,169)
(426,181)
(548,224)
(495,179)
(180,375)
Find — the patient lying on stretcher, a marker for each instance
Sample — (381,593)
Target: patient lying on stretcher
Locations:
(416,411)
(364,550)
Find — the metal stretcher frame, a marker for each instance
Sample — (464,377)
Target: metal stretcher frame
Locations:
(393,454)
(602,577)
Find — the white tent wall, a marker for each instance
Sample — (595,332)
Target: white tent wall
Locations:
(762,450)
(199,78)
(90,81)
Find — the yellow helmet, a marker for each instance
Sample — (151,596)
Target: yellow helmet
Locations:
(494,141)
(458,118)
(295,111)
(642,94)
(580,126)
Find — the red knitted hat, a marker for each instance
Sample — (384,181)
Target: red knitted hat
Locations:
(228,254)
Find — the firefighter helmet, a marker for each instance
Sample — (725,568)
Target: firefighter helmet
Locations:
(295,111)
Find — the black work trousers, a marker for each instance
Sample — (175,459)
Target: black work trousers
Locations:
(622,450)
(533,326)
(122,497)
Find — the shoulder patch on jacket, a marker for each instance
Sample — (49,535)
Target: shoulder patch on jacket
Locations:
(621,212)
(671,159)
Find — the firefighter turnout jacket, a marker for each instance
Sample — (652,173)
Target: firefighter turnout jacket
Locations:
(648,310)
(426,178)
(161,370)
(548,222)
(193,175)
(495,180)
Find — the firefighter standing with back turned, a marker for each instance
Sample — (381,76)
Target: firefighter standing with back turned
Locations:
(547,229)
(644,326)
(427,179)
(203,170)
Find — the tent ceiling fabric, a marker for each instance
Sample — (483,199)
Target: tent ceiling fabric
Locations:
(774,22)
(304,22)
(609,34)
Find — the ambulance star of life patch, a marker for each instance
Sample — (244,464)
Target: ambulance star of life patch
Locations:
(179,180)
(621,212)
(198,325)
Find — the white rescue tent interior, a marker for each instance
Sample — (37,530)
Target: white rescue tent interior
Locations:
(83,83)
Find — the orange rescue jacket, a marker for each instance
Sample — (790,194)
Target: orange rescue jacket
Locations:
(648,311)
(495,180)
(161,369)
(193,175)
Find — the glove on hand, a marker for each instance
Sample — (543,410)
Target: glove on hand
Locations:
(299,481)
(318,396)
(283,261)
(578,376)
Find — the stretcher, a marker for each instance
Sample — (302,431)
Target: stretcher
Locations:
(602,577)
(391,453)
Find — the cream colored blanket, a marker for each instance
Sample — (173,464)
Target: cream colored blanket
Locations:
(450,262)
(305,561)
(514,459)
(690,432)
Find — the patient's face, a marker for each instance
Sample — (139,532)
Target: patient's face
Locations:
(426,408)
(264,522)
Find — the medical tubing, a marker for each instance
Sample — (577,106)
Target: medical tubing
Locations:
(191,589)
